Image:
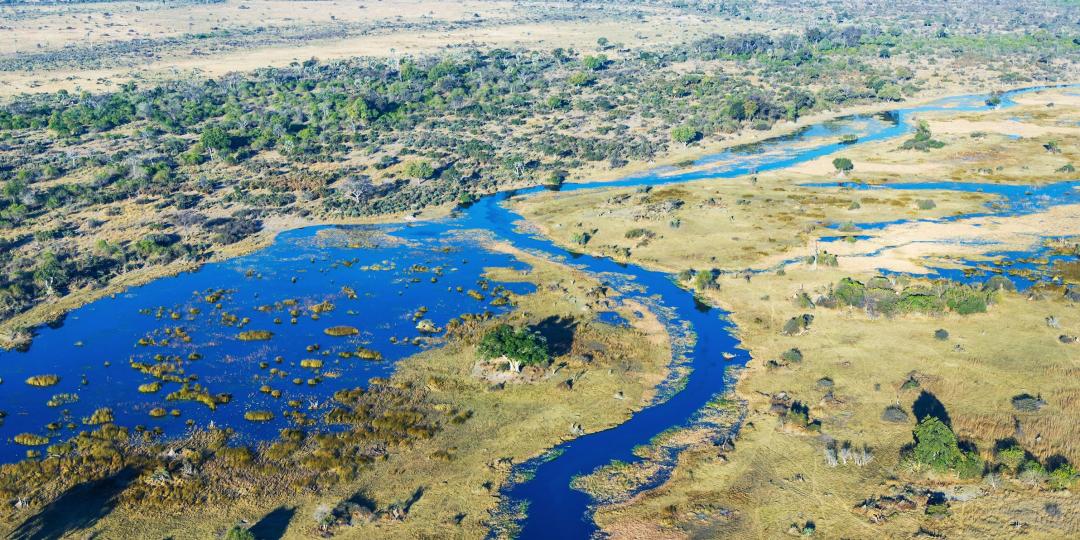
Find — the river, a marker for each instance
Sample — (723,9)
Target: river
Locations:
(395,270)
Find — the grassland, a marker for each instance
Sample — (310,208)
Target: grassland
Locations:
(777,476)
(854,363)
(1034,142)
(728,224)
(450,481)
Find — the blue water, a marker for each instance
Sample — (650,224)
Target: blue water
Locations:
(108,330)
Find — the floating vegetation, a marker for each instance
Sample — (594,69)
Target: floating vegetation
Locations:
(30,439)
(367,354)
(258,416)
(150,388)
(475,295)
(157,412)
(59,400)
(311,363)
(341,331)
(199,394)
(349,293)
(255,335)
(43,380)
(321,307)
(103,415)
(427,326)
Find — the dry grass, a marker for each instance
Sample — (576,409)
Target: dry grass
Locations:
(777,476)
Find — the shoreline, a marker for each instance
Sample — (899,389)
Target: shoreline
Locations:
(18,331)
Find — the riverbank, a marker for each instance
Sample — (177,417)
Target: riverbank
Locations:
(849,366)
(17,332)
(449,481)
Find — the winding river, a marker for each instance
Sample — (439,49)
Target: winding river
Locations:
(382,280)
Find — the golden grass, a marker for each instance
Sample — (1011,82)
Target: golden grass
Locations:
(461,467)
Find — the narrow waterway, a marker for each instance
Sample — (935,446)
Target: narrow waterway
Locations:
(380,280)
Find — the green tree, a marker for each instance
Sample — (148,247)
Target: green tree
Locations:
(595,63)
(684,134)
(581,78)
(936,445)
(419,169)
(703,280)
(843,165)
(521,346)
(215,139)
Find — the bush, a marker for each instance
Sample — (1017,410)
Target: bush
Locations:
(797,325)
(850,292)
(1027,403)
(704,280)
(792,356)
(893,413)
(239,533)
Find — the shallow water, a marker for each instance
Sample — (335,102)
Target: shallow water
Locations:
(108,330)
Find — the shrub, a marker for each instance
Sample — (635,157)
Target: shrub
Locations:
(843,165)
(792,356)
(850,292)
(965,301)
(1027,403)
(239,533)
(893,413)
(797,325)
(1063,477)
(970,465)
(704,280)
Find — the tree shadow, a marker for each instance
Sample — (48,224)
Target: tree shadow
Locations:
(927,405)
(362,500)
(77,509)
(559,332)
(272,526)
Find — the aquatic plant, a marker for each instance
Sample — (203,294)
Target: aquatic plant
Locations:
(103,415)
(59,400)
(150,388)
(258,416)
(31,439)
(368,354)
(43,380)
(341,331)
(255,335)
(199,394)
